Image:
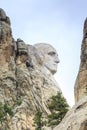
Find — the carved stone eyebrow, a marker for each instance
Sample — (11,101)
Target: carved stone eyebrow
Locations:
(51,53)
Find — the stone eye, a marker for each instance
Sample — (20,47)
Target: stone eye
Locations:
(51,53)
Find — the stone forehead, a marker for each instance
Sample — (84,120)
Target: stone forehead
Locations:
(44,47)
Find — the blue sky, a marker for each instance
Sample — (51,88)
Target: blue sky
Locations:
(57,22)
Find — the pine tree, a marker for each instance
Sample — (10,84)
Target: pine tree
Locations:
(58,107)
(38,120)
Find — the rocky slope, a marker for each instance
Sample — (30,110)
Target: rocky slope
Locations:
(25,83)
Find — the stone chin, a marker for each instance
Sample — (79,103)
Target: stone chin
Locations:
(52,70)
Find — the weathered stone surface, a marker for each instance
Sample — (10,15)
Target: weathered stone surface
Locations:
(26,82)
(2,15)
(76,118)
(5,40)
(25,89)
(50,56)
(21,47)
(80,89)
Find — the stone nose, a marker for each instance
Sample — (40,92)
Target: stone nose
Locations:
(57,60)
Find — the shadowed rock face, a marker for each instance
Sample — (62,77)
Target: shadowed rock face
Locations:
(80,88)
(84,125)
(26,83)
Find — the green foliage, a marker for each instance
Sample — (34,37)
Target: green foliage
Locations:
(58,107)
(8,109)
(2,113)
(18,102)
(38,120)
(4,109)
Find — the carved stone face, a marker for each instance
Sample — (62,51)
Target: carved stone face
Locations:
(50,56)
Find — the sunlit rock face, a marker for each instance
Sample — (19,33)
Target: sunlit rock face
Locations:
(50,56)
(5,38)
(80,89)
(26,78)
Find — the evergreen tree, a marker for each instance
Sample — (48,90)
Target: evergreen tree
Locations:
(38,120)
(58,107)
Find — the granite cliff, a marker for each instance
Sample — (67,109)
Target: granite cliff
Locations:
(27,82)
(26,79)
(76,118)
(80,89)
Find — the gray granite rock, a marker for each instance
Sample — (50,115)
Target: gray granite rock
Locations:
(26,82)
(80,88)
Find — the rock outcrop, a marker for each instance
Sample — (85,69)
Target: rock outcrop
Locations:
(26,82)
(76,118)
(80,89)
